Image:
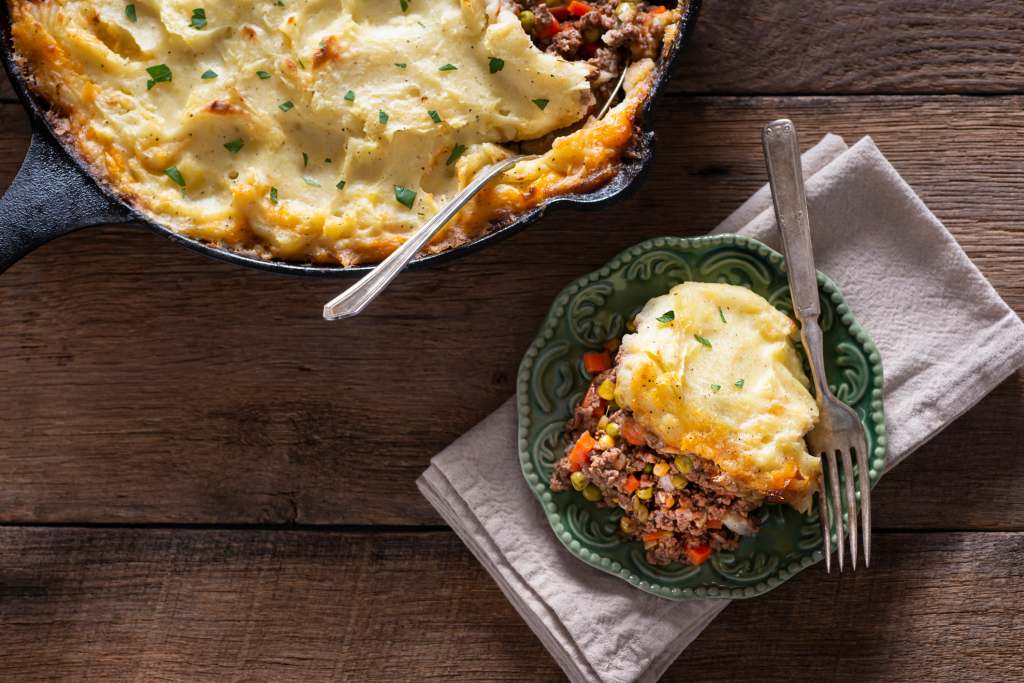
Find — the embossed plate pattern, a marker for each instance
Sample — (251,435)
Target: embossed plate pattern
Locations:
(551,382)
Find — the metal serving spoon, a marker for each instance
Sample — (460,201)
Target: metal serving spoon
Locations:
(356,298)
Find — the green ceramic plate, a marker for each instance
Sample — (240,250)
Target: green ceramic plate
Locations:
(551,382)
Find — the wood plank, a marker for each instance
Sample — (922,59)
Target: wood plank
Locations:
(145,383)
(178,605)
(872,46)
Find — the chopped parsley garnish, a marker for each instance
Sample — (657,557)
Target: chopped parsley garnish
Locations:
(456,153)
(161,73)
(305,160)
(263,75)
(401,65)
(310,181)
(716,387)
(208,74)
(286,106)
(129,11)
(327,160)
(382,116)
(302,63)
(234,146)
(666,317)
(722,315)
(340,185)
(702,340)
(350,96)
(404,4)
(434,116)
(198,18)
(497,65)
(279,3)
(739,384)
(448,67)
(174,174)
(541,104)
(405,196)
(273,195)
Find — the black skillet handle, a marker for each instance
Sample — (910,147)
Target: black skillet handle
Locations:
(48,198)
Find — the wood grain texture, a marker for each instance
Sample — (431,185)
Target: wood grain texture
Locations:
(145,383)
(194,606)
(834,47)
(872,46)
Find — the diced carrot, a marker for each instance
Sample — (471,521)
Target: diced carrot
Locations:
(578,9)
(580,453)
(560,13)
(656,536)
(660,9)
(632,483)
(596,361)
(713,523)
(633,433)
(697,555)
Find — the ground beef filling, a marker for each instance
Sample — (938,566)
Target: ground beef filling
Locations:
(682,507)
(607,34)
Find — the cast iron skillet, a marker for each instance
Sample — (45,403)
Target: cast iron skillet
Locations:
(53,193)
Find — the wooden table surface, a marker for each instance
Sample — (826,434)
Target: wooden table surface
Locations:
(200,480)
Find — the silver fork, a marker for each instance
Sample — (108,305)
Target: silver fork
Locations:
(839,431)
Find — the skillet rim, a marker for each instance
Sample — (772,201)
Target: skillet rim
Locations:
(618,187)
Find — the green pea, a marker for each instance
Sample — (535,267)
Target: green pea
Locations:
(579,480)
(645,494)
(592,493)
(528,19)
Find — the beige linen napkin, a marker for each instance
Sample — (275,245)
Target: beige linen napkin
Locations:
(946,340)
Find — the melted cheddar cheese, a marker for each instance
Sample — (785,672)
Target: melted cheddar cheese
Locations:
(314,130)
(723,380)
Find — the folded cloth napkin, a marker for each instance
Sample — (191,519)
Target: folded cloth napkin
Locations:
(945,337)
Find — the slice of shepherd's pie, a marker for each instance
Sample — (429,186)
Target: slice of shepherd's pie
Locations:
(699,421)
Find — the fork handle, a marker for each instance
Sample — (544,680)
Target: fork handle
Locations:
(782,153)
(785,174)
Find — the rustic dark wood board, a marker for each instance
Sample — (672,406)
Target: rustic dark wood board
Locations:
(834,47)
(871,46)
(194,606)
(145,383)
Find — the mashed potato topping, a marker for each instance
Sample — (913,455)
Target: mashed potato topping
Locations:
(712,370)
(313,130)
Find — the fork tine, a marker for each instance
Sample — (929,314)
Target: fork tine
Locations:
(826,523)
(851,503)
(865,497)
(834,501)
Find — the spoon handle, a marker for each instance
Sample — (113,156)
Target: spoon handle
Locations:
(353,300)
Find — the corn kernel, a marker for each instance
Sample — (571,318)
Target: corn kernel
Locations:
(607,390)
(669,501)
(606,442)
(603,423)
(611,429)
(645,494)
(579,480)
(661,469)
(626,524)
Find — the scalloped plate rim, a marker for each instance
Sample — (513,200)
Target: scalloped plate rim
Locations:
(624,257)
